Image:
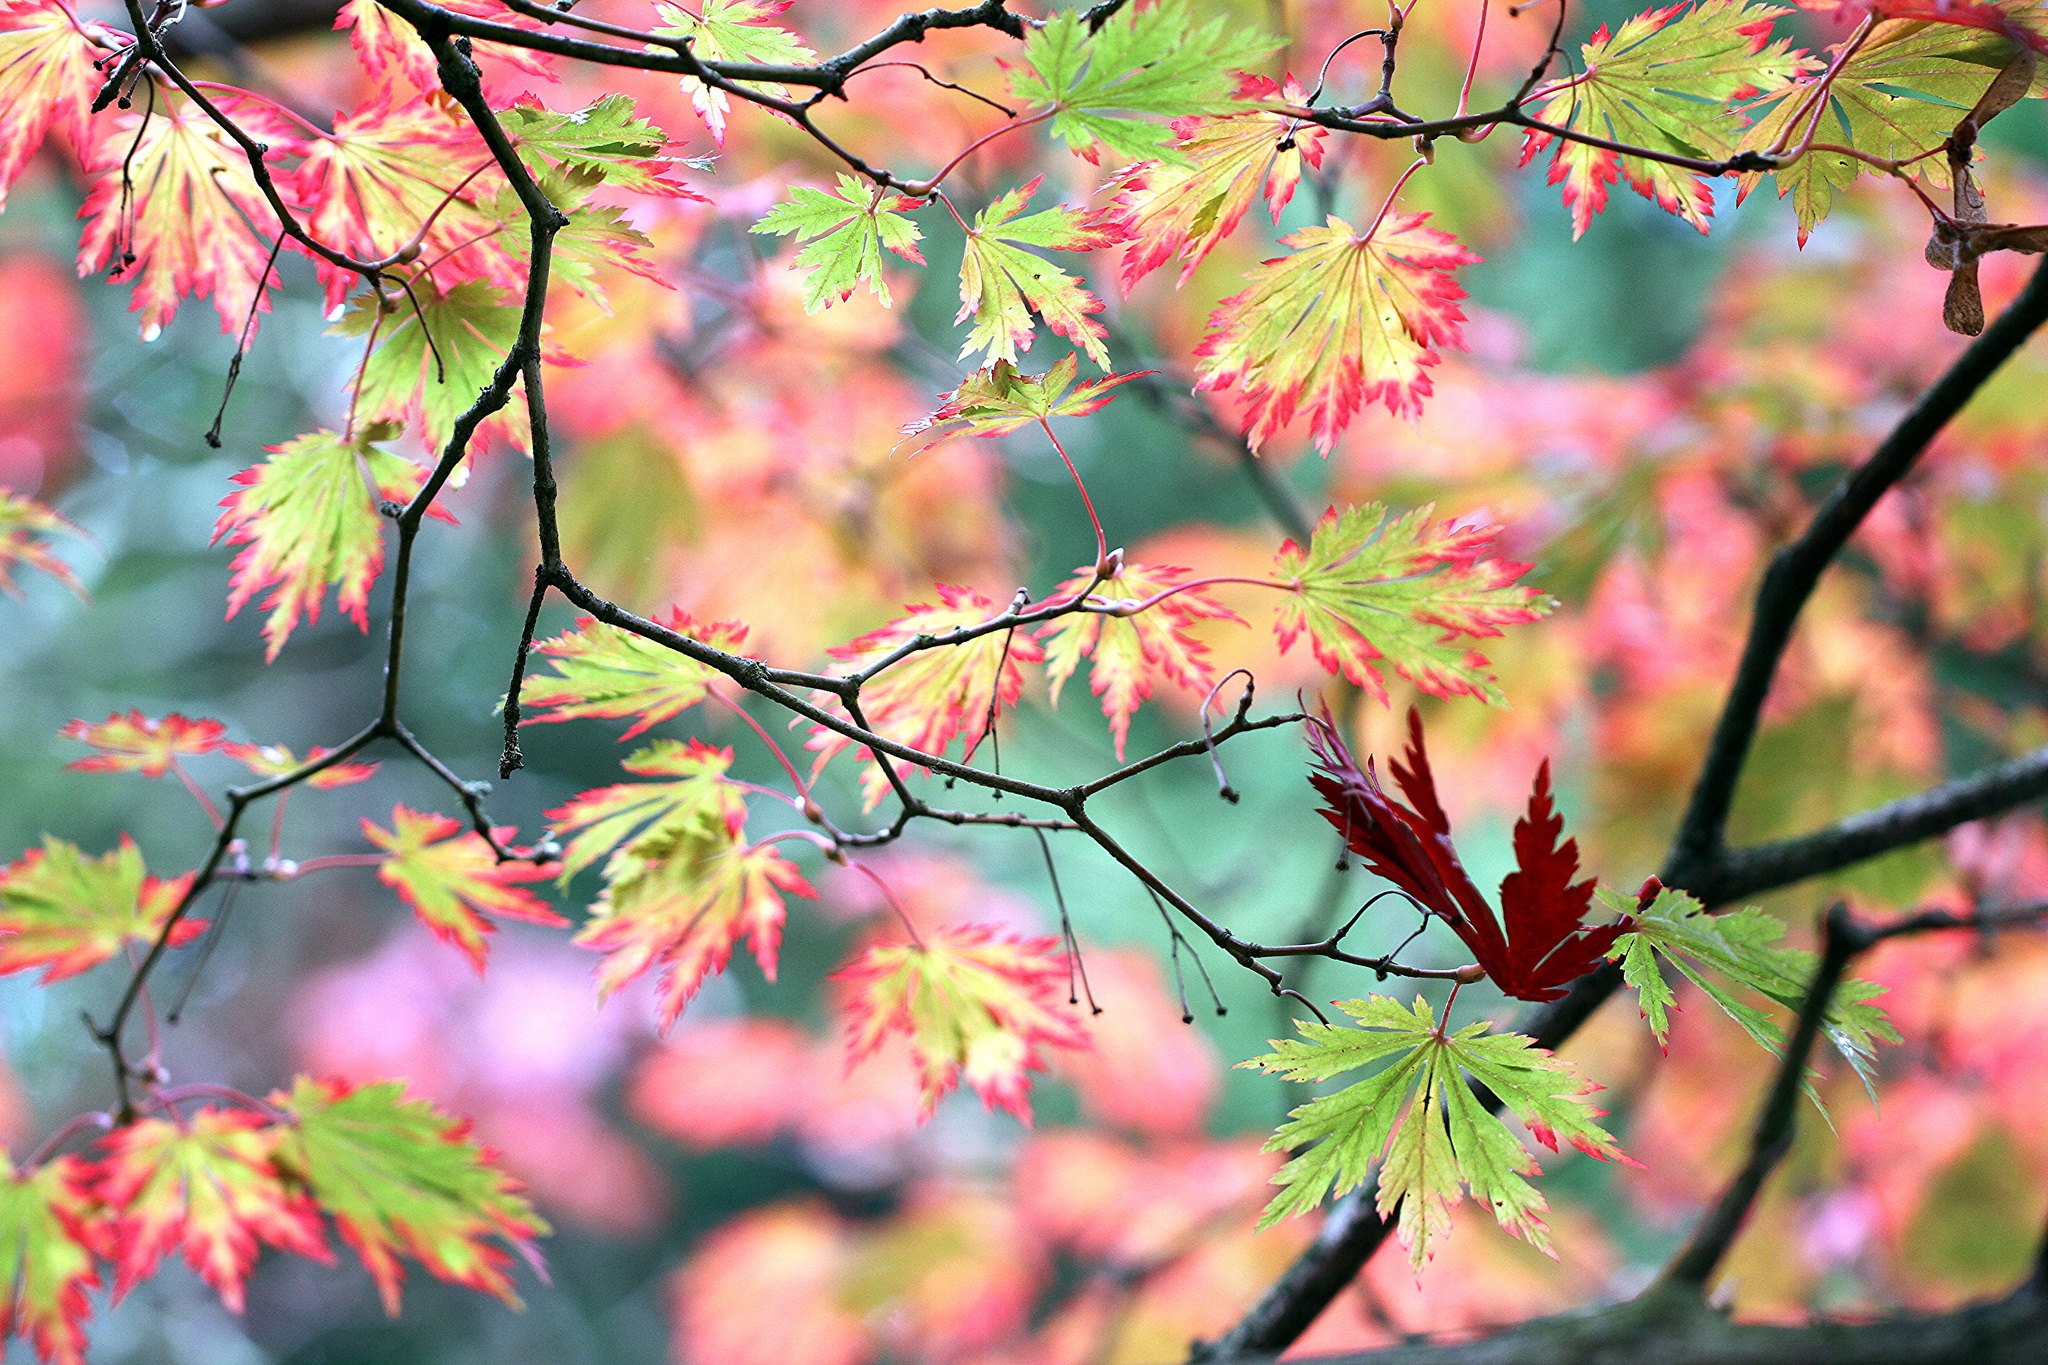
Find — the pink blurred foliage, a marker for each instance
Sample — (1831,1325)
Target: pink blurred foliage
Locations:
(42,383)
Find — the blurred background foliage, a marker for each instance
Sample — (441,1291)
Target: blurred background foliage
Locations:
(1648,410)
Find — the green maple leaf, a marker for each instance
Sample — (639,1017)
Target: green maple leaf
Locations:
(847,231)
(1900,94)
(67,913)
(607,673)
(596,238)
(435,352)
(1002,285)
(998,400)
(604,818)
(1741,948)
(1155,61)
(401,1178)
(731,31)
(1375,589)
(309,522)
(1665,84)
(47,1270)
(603,140)
(1444,1139)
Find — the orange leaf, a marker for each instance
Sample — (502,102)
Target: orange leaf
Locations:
(1180,212)
(932,696)
(136,744)
(1344,320)
(371,188)
(47,79)
(275,760)
(67,913)
(46,1261)
(174,208)
(1129,653)
(207,1187)
(976,1003)
(679,898)
(452,879)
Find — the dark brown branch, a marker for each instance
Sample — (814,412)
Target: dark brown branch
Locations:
(1676,1328)
(1354,1231)
(1738,873)
(1796,570)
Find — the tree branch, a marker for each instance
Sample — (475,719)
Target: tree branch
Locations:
(1355,1231)
(1695,1264)
(1738,873)
(1675,1327)
(1796,570)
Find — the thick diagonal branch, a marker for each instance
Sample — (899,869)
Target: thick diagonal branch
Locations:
(1354,1231)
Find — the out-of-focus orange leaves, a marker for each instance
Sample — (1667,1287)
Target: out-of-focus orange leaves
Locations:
(765,1290)
(1147,1071)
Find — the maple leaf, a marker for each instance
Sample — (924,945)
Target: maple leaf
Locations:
(136,744)
(205,1186)
(47,79)
(400,1178)
(392,175)
(67,913)
(174,208)
(453,881)
(1540,944)
(846,232)
(392,51)
(308,522)
(433,353)
(603,672)
(602,141)
(24,526)
(977,1003)
(1898,95)
(606,817)
(2020,21)
(998,400)
(1743,948)
(1662,81)
(930,697)
(598,236)
(1375,589)
(1345,320)
(46,1257)
(1154,60)
(731,31)
(275,760)
(678,898)
(1127,653)
(1181,211)
(1001,284)
(1444,1138)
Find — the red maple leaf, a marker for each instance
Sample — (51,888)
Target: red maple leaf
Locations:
(1545,944)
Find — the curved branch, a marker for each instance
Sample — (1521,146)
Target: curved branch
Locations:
(1354,1231)
(1796,569)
